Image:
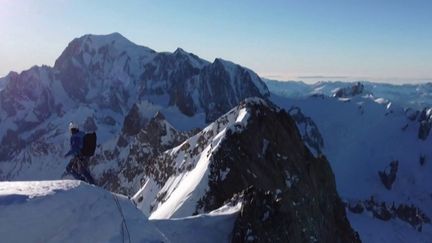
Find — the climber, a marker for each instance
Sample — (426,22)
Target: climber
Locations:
(77,166)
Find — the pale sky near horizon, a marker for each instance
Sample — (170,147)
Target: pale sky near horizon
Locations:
(377,40)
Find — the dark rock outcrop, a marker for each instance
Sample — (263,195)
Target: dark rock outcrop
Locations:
(411,114)
(388,176)
(425,123)
(133,121)
(294,196)
(225,84)
(386,211)
(142,142)
(422,160)
(194,84)
(347,92)
(308,130)
(254,154)
(11,145)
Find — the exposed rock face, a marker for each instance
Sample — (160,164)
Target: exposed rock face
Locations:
(133,121)
(194,84)
(255,144)
(425,121)
(298,195)
(25,102)
(354,90)
(388,176)
(422,160)
(308,130)
(147,141)
(411,114)
(225,84)
(11,144)
(260,220)
(386,211)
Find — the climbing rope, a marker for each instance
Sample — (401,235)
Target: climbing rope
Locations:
(123,224)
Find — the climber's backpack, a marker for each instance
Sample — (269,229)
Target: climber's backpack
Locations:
(89,144)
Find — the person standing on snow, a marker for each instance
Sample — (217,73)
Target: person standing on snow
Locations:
(77,166)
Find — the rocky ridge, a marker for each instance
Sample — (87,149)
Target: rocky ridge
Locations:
(255,144)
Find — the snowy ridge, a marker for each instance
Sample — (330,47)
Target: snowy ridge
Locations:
(176,195)
(77,213)
(223,164)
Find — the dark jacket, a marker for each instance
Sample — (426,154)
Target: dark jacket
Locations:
(76,143)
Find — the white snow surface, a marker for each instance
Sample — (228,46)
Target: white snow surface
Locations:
(73,211)
(373,230)
(69,211)
(215,226)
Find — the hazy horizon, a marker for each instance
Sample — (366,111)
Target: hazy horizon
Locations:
(282,40)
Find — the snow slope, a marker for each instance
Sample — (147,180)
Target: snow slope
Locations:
(176,195)
(362,136)
(73,211)
(215,226)
(373,230)
(69,211)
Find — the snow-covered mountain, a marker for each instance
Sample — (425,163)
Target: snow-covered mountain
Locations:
(254,154)
(380,153)
(97,81)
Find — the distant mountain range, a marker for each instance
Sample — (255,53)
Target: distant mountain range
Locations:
(417,96)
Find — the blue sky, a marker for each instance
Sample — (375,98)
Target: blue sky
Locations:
(386,41)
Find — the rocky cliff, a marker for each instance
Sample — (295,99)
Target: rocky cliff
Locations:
(293,196)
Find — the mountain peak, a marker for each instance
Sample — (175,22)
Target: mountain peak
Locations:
(180,51)
(254,101)
(221,61)
(350,91)
(113,37)
(91,44)
(255,145)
